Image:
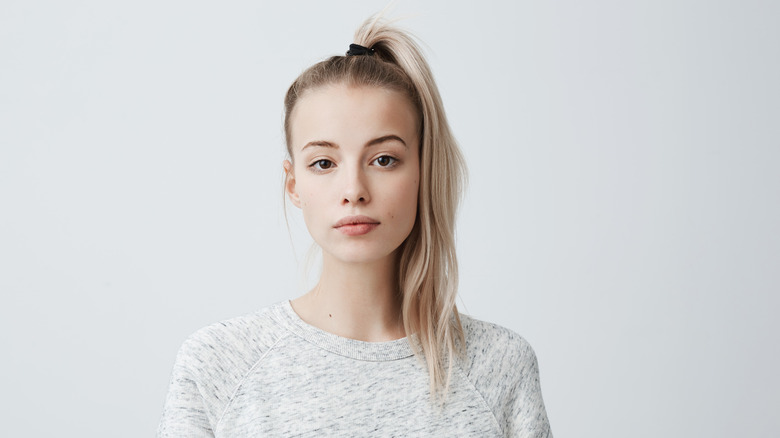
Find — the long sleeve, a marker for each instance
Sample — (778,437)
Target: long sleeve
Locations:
(272,374)
(185,414)
(209,366)
(503,368)
(528,417)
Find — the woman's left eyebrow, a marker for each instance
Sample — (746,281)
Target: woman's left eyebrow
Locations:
(385,138)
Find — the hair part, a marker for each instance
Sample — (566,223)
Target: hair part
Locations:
(428,268)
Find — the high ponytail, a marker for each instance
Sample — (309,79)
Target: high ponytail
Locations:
(428,268)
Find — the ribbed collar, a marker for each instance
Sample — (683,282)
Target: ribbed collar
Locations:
(360,350)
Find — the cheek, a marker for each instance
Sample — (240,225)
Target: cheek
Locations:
(306,188)
(316,199)
(310,200)
(406,197)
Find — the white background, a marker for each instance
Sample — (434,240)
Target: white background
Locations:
(622,212)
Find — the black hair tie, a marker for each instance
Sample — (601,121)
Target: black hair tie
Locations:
(357,50)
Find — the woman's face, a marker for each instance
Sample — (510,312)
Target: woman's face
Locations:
(356,169)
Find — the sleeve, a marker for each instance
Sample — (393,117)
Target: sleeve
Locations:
(185,413)
(528,417)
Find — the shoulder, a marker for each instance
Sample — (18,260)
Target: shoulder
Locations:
(504,370)
(216,358)
(491,348)
(244,335)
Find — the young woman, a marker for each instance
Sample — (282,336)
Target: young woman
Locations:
(377,348)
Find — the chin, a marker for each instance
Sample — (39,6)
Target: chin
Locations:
(361,257)
(363,254)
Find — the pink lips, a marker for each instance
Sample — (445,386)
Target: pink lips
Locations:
(356,225)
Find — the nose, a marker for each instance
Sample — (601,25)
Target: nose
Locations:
(355,188)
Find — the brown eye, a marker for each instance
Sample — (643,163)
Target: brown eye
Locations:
(385,161)
(322,164)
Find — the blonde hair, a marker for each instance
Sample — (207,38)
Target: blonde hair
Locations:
(428,268)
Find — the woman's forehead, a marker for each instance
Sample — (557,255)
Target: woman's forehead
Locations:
(341,113)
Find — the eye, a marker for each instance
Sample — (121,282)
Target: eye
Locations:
(385,161)
(321,164)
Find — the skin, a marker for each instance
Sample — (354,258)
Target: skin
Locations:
(355,152)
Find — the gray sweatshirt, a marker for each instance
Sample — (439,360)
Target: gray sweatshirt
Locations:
(270,373)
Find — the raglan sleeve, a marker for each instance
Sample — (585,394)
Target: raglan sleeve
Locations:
(528,416)
(185,413)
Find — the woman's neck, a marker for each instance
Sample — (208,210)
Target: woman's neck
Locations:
(355,300)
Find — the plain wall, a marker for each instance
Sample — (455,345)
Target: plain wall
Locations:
(622,212)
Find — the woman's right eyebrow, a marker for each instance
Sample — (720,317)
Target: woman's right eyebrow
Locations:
(322,143)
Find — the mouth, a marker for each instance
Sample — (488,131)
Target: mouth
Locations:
(356,225)
(356,220)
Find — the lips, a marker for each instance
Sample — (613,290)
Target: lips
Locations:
(355,220)
(356,225)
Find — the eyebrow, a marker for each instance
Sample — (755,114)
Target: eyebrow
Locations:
(374,142)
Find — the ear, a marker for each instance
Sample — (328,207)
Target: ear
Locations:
(289,184)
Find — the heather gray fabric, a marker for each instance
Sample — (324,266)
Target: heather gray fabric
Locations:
(271,374)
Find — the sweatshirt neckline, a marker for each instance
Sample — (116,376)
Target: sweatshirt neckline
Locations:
(352,348)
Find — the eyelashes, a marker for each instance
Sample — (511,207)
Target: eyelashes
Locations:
(321,165)
(383,161)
